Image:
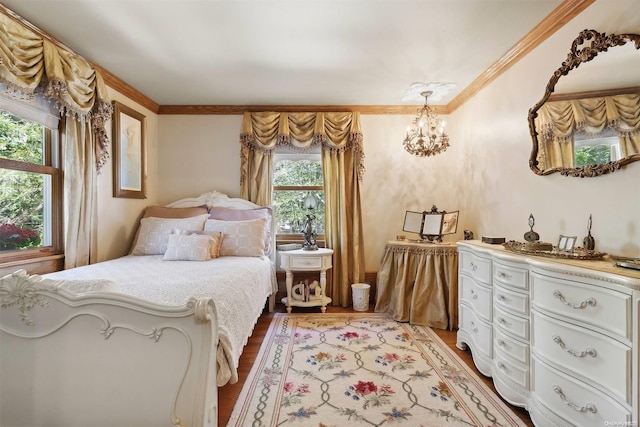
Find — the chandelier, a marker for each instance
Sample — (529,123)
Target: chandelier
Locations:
(426,135)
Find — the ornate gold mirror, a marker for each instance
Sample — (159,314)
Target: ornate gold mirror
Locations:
(588,121)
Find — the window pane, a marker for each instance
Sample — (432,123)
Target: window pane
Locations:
(592,155)
(25,210)
(291,214)
(21,139)
(297,172)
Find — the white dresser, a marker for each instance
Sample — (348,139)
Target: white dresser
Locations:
(559,337)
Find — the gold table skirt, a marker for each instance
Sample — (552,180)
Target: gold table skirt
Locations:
(418,283)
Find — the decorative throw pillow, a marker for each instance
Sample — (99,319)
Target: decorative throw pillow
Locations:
(241,238)
(154,232)
(228,214)
(216,242)
(166,212)
(188,247)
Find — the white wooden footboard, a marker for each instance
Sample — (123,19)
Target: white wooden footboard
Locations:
(103,359)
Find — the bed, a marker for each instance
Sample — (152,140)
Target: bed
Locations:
(142,340)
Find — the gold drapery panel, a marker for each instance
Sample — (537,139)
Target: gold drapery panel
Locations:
(341,140)
(418,283)
(558,121)
(336,132)
(31,65)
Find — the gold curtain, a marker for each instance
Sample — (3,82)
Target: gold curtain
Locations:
(32,66)
(558,121)
(340,136)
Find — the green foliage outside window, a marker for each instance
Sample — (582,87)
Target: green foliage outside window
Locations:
(592,155)
(22,192)
(289,203)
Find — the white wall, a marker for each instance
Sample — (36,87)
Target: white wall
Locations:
(484,173)
(499,188)
(118,217)
(197,154)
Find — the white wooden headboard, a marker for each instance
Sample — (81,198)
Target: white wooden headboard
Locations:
(217,199)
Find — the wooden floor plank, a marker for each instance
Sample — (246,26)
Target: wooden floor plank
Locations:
(228,395)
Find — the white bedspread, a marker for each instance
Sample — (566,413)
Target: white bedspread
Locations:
(239,287)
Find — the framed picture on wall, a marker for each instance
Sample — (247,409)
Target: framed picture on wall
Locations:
(129,153)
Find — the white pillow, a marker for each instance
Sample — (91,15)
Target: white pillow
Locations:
(154,232)
(191,247)
(241,238)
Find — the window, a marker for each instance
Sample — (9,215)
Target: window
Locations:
(593,150)
(296,176)
(30,184)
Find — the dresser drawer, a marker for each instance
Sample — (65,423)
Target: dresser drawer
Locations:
(509,346)
(590,354)
(574,400)
(480,332)
(593,305)
(516,302)
(510,276)
(516,372)
(478,297)
(477,267)
(514,325)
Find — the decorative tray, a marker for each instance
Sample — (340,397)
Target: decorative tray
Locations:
(576,253)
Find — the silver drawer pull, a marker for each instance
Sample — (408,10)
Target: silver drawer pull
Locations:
(502,344)
(473,294)
(501,366)
(503,322)
(504,275)
(474,267)
(590,351)
(473,328)
(501,298)
(583,304)
(589,407)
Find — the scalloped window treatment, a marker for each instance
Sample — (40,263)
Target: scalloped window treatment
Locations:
(32,66)
(559,120)
(340,137)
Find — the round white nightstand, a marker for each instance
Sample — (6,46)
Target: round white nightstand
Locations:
(301,260)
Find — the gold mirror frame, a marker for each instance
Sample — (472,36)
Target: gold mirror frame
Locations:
(580,52)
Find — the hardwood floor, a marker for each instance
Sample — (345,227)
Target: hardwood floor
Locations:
(228,394)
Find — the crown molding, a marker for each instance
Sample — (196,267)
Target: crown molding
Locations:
(241,109)
(127,90)
(564,13)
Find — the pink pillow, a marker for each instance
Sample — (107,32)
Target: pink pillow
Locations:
(229,214)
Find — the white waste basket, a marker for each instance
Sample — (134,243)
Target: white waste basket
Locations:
(360,296)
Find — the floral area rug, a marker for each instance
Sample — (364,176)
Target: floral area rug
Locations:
(362,369)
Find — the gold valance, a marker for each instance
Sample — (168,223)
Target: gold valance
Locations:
(31,65)
(264,131)
(558,120)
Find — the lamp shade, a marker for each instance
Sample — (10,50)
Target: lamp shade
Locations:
(310,202)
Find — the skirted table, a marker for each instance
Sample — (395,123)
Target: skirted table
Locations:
(418,283)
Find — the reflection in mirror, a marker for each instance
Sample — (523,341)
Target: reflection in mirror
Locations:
(591,125)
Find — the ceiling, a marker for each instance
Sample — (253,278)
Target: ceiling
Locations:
(287,52)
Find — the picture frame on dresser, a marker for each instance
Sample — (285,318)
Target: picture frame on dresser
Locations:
(129,152)
(566,243)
